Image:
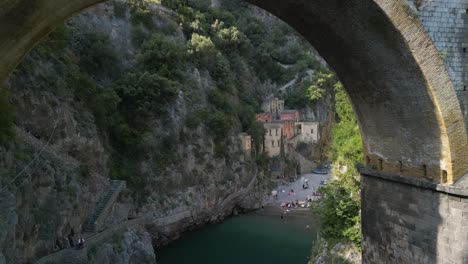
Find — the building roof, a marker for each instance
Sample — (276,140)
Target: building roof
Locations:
(308,123)
(273,124)
(288,111)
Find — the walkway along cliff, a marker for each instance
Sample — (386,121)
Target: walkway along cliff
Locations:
(410,100)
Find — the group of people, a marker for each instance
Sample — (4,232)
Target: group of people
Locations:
(292,204)
(69,242)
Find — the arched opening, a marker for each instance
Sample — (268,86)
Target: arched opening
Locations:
(367,51)
(383,97)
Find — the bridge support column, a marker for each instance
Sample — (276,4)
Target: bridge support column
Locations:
(405,220)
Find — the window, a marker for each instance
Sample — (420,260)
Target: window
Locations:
(272,143)
(270,132)
(464,88)
(444,176)
(312,131)
(464,50)
(278,142)
(276,131)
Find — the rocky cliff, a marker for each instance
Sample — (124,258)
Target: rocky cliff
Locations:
(124,90)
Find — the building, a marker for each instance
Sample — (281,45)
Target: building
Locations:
(246,146)
(273,106)
(264,117)
(273,142)
(307,132)
(290,115)
(246,142)
(288,128)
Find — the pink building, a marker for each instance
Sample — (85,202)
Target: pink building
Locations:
(264,117)
(288,128)
(290,115)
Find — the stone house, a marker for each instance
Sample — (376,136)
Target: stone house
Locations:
(273,106)
(307,132)
(290,115)
(264,117)
(273,141)
(246,141)
(288,129)
(246,145)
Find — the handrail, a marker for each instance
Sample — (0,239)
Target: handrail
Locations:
(106,234)
(148,218)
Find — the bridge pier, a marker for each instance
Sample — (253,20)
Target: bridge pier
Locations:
(406,220)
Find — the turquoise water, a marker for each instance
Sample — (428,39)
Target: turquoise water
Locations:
(247,239)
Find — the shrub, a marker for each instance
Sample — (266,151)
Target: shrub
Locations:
(117,242)
(140,13)
(120,8)
(203,50)
(163,56)
(84,171)
(97,55)
(7,132)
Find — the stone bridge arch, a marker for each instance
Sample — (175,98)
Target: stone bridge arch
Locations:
(408,112)
(411,121)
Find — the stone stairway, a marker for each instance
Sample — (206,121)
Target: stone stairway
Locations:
(103,206)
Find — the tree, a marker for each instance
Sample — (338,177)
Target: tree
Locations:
(323,82)
(339,209)
(203,50)
(163,56)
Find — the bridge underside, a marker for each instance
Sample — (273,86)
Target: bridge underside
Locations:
(408,112)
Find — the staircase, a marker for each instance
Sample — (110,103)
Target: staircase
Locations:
(103,206)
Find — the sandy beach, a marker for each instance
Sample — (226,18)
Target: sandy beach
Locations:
(299,193)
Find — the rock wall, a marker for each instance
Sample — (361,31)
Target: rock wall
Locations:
(60,190)
(408,221)
(46,197)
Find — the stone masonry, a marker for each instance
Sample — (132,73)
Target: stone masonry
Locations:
(446,21)
(391,68)
(409,221)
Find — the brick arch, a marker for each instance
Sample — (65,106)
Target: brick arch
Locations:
(408,112)
(410,119)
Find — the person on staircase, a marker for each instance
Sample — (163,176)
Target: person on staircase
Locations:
(81,243)
(71,237)
(58,245)
(65,242)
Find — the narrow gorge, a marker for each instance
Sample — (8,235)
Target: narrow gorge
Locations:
(126,124)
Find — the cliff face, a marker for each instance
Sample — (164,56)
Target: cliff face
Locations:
(83,114)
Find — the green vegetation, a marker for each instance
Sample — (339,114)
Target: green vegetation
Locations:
(339,209)
(91,254)
(117,242)
(126,97)
(7,132)
(309,92)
